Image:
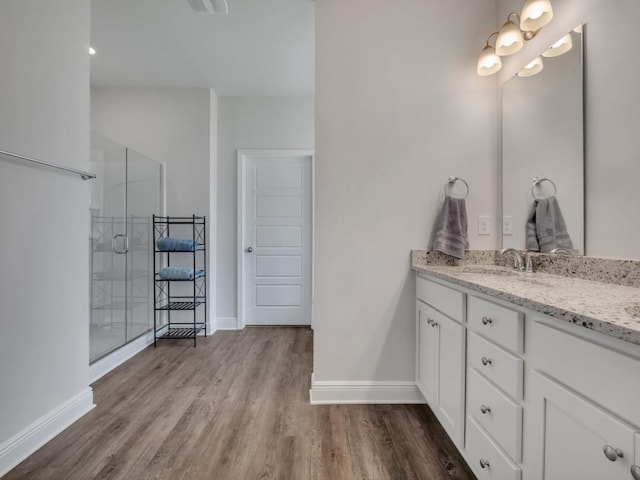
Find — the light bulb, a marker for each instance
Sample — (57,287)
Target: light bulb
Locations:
(560,47)
(532,68)
(92,51)
(488,62)
(535,15)
(510,39)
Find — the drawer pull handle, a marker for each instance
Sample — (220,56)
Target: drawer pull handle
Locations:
(612,453)
(635,472)
(486,409)
(486,320)
(484,463)
(486,361)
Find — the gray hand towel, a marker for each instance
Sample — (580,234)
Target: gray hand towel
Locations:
(546,228)
(451,228)
(531,241)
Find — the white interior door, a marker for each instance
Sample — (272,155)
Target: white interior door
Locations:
(276,237)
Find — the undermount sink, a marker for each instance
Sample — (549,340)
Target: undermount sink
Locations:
(633,310)
(490,270)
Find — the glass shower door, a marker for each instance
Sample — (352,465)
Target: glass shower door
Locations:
(143,200)
(123,199)
(108,329)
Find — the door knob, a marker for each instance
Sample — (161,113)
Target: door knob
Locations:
(635,472)
(249,249)
(612,453)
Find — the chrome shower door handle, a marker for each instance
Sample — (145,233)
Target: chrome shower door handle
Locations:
(114,243)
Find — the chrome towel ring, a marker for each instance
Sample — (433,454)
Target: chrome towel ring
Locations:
(451,180)
(537,181)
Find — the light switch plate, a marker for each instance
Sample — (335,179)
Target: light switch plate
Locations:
(483,225)
(507,225)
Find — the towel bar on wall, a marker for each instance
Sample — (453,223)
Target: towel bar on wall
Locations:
(83,175)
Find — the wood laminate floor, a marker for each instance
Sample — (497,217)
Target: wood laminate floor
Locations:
(237,408)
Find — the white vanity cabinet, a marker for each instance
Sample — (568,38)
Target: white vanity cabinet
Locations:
(574,439)
(583,406)
(526,396)
(440,355)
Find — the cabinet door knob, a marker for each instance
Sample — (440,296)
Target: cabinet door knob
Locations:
(635,472)
(434,324)
(429,321)
(486,361)
(486,320)
(485,409)
(612,453)
(249,249)
(484,463)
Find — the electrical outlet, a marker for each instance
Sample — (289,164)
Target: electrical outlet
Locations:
(507,225)
(483,225)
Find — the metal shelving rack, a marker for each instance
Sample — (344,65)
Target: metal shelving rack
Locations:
(181,300)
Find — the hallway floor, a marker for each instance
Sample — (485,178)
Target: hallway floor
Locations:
(237,408)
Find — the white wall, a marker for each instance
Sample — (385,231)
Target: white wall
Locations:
(172,126)
(612,114)
(44,284)
(250,122)
(399,108)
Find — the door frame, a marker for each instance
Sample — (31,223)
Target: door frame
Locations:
(242,155)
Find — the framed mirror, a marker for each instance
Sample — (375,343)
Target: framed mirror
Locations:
(543,187)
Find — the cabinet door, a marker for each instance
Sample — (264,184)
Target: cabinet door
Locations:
(451,373)
(571,434)
(427,355)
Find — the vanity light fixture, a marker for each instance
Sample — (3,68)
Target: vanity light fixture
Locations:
(535,15)
(489,62)
(532,68)
(510,38)
(560,47)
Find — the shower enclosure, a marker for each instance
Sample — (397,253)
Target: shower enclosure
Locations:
(128,192)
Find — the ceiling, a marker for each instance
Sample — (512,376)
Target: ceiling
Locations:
(262,48)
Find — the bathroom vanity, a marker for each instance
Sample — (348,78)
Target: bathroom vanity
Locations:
(533,376)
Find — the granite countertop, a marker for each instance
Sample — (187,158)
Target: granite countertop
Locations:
(603,307)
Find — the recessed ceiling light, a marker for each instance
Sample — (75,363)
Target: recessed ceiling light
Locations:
(92,51)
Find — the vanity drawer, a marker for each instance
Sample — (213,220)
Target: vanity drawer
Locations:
(501,325)
(499,366)
(481,448)
(502,417)
(447,300)
(605,376)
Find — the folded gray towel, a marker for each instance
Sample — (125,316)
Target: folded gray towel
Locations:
(546,228)
(451,228)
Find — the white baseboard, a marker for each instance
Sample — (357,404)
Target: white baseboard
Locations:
(26,442)
(103,366)
(228,323)
(211,328)
(361,392)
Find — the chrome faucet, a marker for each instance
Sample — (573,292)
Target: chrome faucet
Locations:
(561,251)
(518,262)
